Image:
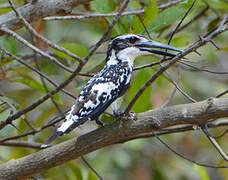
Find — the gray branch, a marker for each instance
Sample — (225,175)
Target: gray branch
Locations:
(157,119)
(37,10)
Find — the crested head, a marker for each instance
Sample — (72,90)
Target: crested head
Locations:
(129,46)
(122,47)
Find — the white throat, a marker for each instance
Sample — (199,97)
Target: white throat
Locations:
(126,55)
(129,55)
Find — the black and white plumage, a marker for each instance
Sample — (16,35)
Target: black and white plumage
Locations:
(111,82)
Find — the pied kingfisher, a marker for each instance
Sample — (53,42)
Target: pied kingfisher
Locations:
(111,82)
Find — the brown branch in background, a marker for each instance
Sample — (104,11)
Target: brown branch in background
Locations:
(86,16)
(195,113)
(164,131)
(42,38)
(82,15)
(173,130)
(36,10)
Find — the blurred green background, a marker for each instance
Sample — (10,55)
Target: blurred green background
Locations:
(144,159)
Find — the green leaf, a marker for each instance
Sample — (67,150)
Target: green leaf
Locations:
(5,60)
(224,48)
(219,4)
(180,41)
(77,49)
(103,6)
(32,83)
(5,114)
(76,170)
(137,26)
(10,44)
(13,105)
(151,12)
(106,118)
(135,4)
(143,103)
(92,176)
(167,17)
(202,172)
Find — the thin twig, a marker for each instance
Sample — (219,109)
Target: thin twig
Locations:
(81,15)
(179,89)
(91,167)
(35,70)
(42,53)
(42,38)
(173,130)
(188,159)
(24,144)
(190,22)
(173,92)
(28,123)
(222,94)
(151,64)
(214,143)
(182,19)
(44,83)
(49,124)
(201,69)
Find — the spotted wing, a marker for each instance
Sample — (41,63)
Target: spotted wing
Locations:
(96,96)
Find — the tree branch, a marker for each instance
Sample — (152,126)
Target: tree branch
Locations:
(37,10)
(194,113)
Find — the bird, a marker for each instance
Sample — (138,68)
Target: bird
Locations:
(104,88)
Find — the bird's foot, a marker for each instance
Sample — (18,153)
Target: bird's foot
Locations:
(132,116)
(44,146)
(118,113)
(99,122)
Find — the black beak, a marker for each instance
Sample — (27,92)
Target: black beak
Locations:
(148,45)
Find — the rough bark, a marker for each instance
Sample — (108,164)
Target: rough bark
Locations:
(37,10)
(194,113)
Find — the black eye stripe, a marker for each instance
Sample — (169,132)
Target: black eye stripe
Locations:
(133,39)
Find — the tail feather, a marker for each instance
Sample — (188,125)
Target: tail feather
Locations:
(53,137)
(65,128)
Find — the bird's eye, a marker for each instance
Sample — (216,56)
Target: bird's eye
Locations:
(133,39)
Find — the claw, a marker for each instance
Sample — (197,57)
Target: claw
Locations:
(99,122)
